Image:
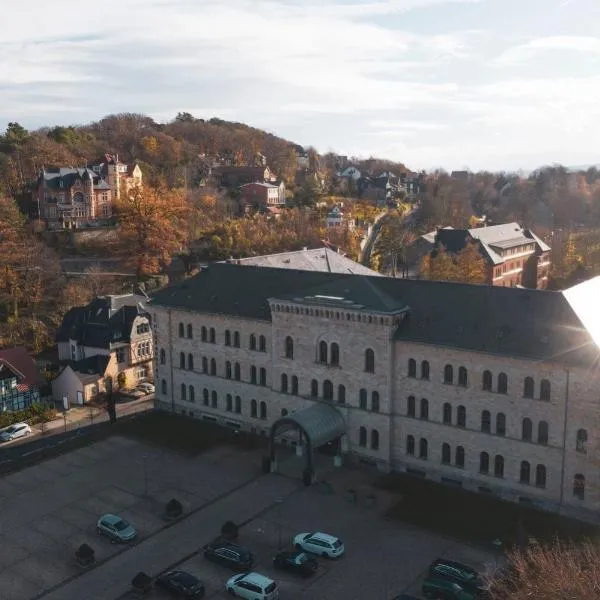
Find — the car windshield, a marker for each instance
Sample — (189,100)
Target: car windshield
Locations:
(270,588)
(301,558)
(121,525)
(11,429)
(337,543)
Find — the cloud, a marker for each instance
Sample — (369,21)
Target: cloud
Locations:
(523,53)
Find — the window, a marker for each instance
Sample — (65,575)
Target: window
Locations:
(423,449)
(314,388)
(229,403)
(499,466)
(525,472)
(424,409)
(284,383)
(203,334)
(425,369)
(262,343)
(263,376)
(528,387)
(228,370)
(163,386)
(183,392)
(334,359)
(190,331)
(252,342)
(227,337)
(459,457)
(253,408)
(323,352)
(374,439)
(181,330)
(192,394)
(527,430)
(362,436)
(579,486)
(213,366)
(328,390)
(253,375)
(410,445)
(412,367)
(370,361)
(411,409)
(448,374)
(375,401)
(190,361)
(543,433)
(289,347)
(238,405)
(484,463)
(294,385)
(341,394)
(237,371)
(362,399)
(461,417)
(486,382)
(540,476)
(205,396)
(581,441)
(447,413)
(502,383)
(212,336)
(500,424)
(182,360)
(214,399)
(162,356)
(446,454)
(545,390)
(462,376)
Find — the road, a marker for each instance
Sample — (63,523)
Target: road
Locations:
(365,258)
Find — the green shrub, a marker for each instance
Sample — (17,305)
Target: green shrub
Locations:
(34,414)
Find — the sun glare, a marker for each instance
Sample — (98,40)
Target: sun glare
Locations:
(584,299)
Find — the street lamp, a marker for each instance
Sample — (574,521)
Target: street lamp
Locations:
(279,503)
(144,457)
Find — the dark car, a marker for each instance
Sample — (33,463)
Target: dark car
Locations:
(229,555)
(297,562)
(181,584)
(444,589)
(468,578)
(404,597)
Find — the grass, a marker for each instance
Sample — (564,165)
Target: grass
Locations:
(477,518)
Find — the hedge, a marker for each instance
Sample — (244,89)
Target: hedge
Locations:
(36,413)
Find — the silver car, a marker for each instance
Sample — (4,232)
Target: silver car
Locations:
(15,431)
(115,528)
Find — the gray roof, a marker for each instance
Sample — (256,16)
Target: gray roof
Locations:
(317,259)
(430,237)
(69,175)
(320,422)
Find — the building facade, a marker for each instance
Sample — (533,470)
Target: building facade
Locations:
(20,380)
(120,177)
(491,389)
(261,195)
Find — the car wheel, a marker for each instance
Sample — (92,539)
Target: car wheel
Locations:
(231,591)
(324,554)
(298,547)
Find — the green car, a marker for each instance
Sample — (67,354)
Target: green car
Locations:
(442,589)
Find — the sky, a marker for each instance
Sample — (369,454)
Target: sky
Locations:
(454,84)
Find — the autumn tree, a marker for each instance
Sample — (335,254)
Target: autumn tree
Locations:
(471,265)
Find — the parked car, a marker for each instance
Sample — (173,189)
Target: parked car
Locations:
(15,431)
(147,388)
(115,528)
(319,543)
(252,586)
(465,576)
(405,597)
(181,584)
(296,562)
(229,555)
(444,589)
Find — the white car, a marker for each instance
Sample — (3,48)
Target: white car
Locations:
(252,586)
(15,431)
(147,388)
(319,543)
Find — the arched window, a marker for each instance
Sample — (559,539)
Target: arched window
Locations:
(579,486)
(486,382)
(213,366)
(294,385)
(341,394)
(462,376)
(284,383)
(212,335)
(262,343)
(543,433)
(263,376)
(190,362)
(540,476)
(446,458)
(581,441)
(314,388)
(229,403)
(528,387)
(500,424)
(423,449)
(192,393)
(228,370)
(163,357)
(447,413)
(502,383)
(527,430)
(214,399)
(334,359)
(253,373)
(237,371)
(370,361)
(252,342)
(412,367)
(227,337)
(461,416)
(182,360)
(289,347)
(424,409)
(181,330)
(204,364)
(236,339)
(190,331)
(362,399)
(253,408)
(163,386)
(448,374)
(203,334)
(205,396)
(374,439)
(375,401)
(459,457)
(238,405)
(362,436)
(327,390)
(410,445)
(425,369)
(545,390)
(486,421)
(323,352)
(183,391)
(411,406)
(525,472)
(499,466)
(484,462)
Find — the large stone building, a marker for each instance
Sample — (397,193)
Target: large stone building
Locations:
(489,388)
(120,177)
